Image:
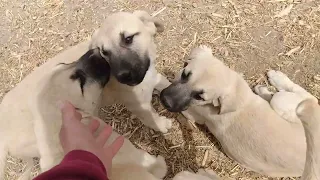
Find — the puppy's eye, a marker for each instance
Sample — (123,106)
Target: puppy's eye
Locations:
(105,52)
(185,64)
(128,40)
(185,75)
(198,97)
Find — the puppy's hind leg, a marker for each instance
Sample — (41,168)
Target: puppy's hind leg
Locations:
(263,92)
(289,96)
(281,81)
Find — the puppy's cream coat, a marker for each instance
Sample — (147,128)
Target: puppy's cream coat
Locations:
(200,175)
(30,120)
(266,138)
(309,113)
(126,41)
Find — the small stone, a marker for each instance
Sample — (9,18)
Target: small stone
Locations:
(316,77)
(194,5)
(301,23)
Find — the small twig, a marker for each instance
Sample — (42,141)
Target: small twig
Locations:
(205,157)
(134,131)
(154,14)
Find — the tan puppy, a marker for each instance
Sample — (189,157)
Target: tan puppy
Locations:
(309,113)
(126,41)
(249,128)
(30,120)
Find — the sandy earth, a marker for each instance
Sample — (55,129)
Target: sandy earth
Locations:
(245,34)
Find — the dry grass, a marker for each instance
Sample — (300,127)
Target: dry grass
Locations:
(251,36)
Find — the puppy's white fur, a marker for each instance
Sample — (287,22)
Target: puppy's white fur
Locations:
(308,112)
(263,137)
(136,98)
(200,175)
(30,120)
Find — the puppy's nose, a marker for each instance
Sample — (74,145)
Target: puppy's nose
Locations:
(167,102)
(125,76)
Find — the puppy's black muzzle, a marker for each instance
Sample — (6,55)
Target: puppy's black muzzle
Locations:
(129,68)
(174,100)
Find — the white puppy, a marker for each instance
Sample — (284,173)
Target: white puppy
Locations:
(126,41)
(248,128)
(30,120)
(309,113)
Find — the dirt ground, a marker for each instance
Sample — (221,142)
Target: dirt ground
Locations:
(251,36)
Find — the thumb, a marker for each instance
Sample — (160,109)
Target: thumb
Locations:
(68,112)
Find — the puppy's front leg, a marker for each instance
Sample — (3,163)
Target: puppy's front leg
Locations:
(48,144)
(161,83)
(149,117)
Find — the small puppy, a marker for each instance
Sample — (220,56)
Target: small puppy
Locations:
(30,120)
(263,137)
(308,112)
(126,41)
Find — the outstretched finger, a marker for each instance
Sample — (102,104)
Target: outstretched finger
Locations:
(104,135)
(94,125)
(116,145)
(68,112)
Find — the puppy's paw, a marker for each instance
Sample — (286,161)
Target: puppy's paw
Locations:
(164,124)
(279,80)
(159,169)
(263,92)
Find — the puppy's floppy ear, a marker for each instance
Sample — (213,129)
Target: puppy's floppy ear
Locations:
(226,106)
(153,24)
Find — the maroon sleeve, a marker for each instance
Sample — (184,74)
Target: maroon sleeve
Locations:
(76,165)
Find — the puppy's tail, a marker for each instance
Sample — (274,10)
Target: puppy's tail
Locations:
(309,113)
(3,158)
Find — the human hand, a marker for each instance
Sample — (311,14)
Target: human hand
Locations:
(74,135)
